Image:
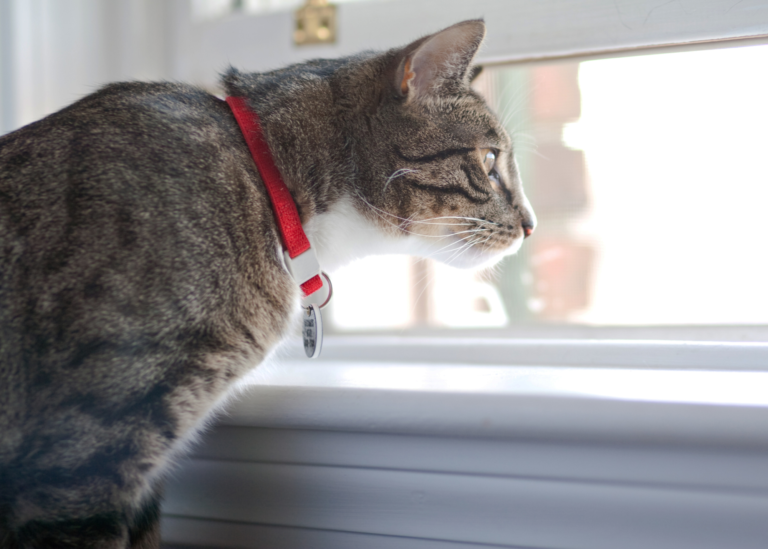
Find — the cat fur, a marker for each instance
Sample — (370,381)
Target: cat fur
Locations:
(140,266)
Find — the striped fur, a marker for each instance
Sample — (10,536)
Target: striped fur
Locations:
(139,268)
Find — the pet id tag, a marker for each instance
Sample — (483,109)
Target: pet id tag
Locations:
(312,321)
(312,331)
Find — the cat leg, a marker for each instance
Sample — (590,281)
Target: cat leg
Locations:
(137,529)
(105,531)
(7,539)
(145,527)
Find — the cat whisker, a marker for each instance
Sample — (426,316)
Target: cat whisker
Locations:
(459,241)
(522,140)
(515,100)
(411,221)
(474,244)
(484,243)
(400,227)
(465,218)
(458,253)
(526,149)
(521,135)
(397,173)
(471,231)
(515,104)
(428,221)
(479,241)
(491,273)
(537,153)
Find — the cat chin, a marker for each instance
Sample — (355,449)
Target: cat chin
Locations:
(474,258)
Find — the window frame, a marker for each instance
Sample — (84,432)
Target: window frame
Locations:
(518,31)
(641,464)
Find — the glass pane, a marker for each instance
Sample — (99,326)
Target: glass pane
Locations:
(649,181)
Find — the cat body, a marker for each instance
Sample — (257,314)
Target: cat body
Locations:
(141,270)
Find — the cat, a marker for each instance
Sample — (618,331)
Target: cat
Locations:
(141,270)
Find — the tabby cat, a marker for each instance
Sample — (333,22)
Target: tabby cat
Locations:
(140,263)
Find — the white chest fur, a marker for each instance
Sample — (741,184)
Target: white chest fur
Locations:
(343,234)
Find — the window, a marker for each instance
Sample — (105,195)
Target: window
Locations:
(558,437)
(576,277)
(649,185)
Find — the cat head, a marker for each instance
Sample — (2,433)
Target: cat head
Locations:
(442,174)
(400,154)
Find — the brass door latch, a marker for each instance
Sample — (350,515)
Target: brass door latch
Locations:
(315,23)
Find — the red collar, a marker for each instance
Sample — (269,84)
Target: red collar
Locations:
(299,256)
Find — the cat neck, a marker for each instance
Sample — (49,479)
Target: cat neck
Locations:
(342,234)
(307,140)
(304,127)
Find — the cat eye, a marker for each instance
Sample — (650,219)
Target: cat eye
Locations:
(488,157)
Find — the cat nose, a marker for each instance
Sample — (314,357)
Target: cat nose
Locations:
(527,228)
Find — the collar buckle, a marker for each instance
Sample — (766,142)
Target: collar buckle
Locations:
(303,267)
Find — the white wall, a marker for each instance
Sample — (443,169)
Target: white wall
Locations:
(53,52)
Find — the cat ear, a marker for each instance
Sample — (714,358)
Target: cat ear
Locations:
(440,61)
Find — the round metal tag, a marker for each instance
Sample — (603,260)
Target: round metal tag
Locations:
(312,331)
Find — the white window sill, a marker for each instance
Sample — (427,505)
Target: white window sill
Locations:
(664,449)
(615,389)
